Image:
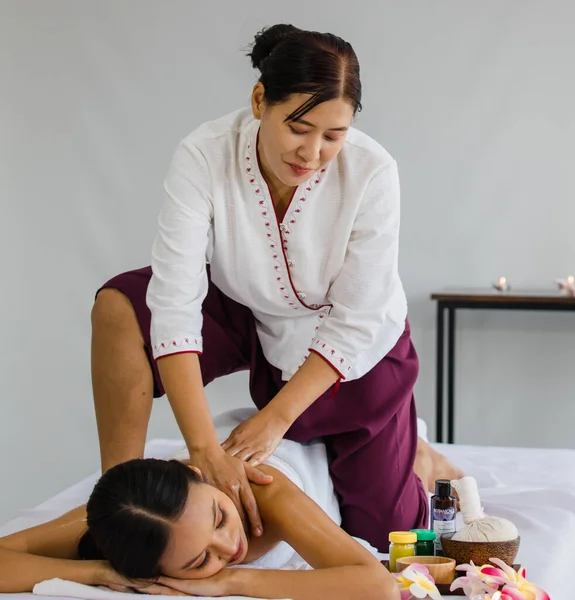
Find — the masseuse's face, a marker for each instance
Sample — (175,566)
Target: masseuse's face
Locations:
(293,151)
(206,538)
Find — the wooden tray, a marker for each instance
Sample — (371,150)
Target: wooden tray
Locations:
(443,588)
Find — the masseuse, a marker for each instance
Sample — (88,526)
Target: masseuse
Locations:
(277,252)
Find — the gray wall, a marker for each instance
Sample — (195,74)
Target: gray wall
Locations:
(474,99)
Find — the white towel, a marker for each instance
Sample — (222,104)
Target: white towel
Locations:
(71,589)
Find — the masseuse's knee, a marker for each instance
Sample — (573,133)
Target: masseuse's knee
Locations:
(112,311)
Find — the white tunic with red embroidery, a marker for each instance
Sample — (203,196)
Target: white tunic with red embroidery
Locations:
(324,279)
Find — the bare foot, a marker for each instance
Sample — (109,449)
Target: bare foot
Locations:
(430,465)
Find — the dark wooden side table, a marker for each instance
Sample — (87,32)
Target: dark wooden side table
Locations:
(451,301)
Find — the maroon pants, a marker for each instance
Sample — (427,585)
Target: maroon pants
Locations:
(369,426)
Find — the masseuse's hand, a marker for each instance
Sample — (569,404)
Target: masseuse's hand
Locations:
(232,476)
(255,440)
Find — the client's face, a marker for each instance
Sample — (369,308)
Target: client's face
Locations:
(206,538)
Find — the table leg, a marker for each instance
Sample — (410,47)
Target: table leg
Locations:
(440,333)
(450,375)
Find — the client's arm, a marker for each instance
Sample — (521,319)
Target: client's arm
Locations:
(47,551)
(343,568)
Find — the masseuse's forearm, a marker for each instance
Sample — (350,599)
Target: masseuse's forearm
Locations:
(312,379)
(20,572)
(339,583)
(182,380)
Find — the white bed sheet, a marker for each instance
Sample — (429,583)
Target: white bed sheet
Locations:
(533,488)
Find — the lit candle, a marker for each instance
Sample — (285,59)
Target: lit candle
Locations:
(501,285)
(567,285)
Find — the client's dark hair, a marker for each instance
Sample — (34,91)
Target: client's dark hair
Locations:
(130,511)
(296,61)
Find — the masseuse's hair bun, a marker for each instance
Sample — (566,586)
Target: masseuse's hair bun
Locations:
(296,61)
(267,39)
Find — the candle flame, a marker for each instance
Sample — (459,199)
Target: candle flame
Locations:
(502,281)
(570,280)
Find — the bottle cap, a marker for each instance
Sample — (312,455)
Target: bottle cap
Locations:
(424,535)
(402,537)
(443,488)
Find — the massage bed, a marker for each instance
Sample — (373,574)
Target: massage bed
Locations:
(534,488)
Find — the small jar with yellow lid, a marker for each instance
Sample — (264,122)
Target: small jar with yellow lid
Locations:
(402,543)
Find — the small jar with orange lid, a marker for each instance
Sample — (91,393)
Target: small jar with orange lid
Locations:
(402,543)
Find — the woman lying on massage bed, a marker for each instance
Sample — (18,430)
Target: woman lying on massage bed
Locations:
(152,525)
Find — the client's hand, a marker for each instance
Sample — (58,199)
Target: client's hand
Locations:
(112,579)
(255,440)
(216,585)
(232,476)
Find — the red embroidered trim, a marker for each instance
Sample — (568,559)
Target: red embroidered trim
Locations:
(330,353)
(181,352)
(291,221)
(302,198)
(323,313)
(341,375)
(316,307)
(265,213)
(172,343)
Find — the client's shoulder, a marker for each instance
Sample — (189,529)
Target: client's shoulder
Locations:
(280,485)
(278,500)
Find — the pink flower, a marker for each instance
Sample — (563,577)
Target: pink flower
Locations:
(488,574)
(472,587)
(415,581)
(516,586)
(477,581)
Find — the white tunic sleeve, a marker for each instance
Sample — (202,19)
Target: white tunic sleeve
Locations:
(179,281)
(365,291)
